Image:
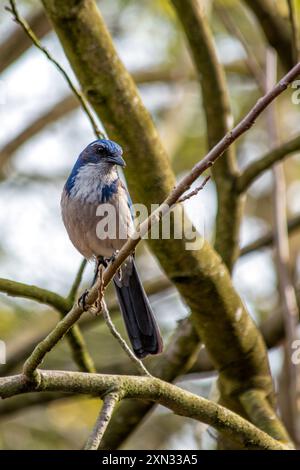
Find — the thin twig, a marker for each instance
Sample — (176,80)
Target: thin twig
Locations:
(195,191)
(140,366)
(295,33)
(109,404)
(81,98)
(75,313)
(287,292)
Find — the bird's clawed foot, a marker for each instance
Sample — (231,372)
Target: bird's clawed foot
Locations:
(82,301)
(113,256)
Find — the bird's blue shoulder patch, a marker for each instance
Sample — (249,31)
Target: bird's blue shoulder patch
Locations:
(71,180)
(108,190)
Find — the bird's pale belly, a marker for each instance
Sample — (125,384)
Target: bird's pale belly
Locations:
(93,234)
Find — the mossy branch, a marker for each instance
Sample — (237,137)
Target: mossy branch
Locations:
(110,402)
(79,350)
(180,401)
(26,291)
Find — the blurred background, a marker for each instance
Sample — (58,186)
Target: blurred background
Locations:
(43,131)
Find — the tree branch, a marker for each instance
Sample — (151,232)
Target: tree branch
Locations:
(258,407)
(256,168)
(16,44)
(63,107)
(31,35)
(140,366)
(75,338)
(44,296)
(268,239)
(109,404)
(180,401)
(274,28)
(218,121)
(69,103)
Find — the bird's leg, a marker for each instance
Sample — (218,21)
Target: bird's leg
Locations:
(113,256)
(82,300)
(100,261)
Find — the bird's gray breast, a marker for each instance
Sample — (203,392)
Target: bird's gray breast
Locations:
(96,225)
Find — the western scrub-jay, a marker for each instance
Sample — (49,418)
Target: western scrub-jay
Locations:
(93,184)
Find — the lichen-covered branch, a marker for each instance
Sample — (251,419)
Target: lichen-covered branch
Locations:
(109,404)
(75,338)
(180,401)
(26,291)
(258,407)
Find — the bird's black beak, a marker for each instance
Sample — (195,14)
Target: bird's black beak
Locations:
(116,161)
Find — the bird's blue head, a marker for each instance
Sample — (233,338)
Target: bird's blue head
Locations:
(102,151)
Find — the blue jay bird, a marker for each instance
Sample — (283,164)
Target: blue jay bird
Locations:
(94,181)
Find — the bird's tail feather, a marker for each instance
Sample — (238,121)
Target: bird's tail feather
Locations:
(139,319)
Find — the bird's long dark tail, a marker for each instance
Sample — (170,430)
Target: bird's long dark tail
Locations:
(139,319)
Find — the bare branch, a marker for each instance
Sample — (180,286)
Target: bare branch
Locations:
(180,401)
(195,191)
(255,169)
(79,95)
(109,404)
(63,107)
(268,239)
(16,44)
